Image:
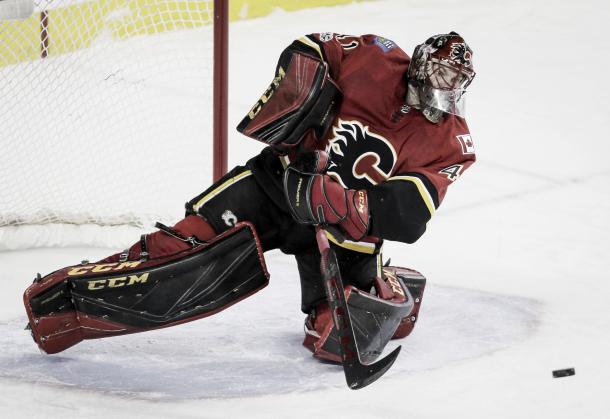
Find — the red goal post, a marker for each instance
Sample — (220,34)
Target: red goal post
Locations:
(221,71)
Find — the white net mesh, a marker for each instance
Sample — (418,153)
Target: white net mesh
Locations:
(113,127)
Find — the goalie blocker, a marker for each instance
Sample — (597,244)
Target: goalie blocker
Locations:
(90,301)
(301,99)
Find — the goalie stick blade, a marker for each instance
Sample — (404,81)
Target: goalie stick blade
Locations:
(357,374)
(360,375)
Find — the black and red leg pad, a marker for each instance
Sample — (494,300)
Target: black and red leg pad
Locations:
(106,299)
(374,318)
(415,283)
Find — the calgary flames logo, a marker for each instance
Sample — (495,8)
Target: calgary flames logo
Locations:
(461,53)
(358,157)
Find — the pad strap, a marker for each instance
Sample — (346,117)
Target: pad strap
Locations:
(192,239)
(143,248)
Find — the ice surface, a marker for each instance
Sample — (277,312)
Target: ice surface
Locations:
(516,257)
(255,347)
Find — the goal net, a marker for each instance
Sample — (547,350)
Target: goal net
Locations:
(105,118)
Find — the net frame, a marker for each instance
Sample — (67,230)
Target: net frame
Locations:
(219,122)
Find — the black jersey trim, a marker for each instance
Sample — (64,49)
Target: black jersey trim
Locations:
(401,207)
(431,197)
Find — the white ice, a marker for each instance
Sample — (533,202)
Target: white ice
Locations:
(516,258)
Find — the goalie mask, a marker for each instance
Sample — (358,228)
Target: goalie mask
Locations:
(438,75)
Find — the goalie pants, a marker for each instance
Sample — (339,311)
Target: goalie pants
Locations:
(254,193)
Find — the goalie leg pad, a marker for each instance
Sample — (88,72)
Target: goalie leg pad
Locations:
(415,283)
(92,301)
(375,318)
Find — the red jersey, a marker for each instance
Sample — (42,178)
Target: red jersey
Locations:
(376,136)
(379,143)
(376,142)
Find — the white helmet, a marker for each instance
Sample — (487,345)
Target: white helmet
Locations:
(438,75)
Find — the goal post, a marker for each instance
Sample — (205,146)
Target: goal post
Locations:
(113,114)
(221,90)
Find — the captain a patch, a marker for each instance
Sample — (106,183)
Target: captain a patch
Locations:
(466,143)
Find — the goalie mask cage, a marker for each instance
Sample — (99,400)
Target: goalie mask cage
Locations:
(112,114)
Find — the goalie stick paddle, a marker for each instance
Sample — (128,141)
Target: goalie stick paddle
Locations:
(357,373)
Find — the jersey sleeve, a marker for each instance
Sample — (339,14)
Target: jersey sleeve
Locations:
(403,204)
(400,207)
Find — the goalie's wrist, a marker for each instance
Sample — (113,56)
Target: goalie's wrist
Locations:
(357,222)
(319,200)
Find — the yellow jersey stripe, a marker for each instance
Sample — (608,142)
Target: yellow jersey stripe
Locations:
(422,190)
(285,160)
(305,40)
(221,188)
(362,247)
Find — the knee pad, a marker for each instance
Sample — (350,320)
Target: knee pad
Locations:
(91,301)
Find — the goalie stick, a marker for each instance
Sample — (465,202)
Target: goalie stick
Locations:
(357,373)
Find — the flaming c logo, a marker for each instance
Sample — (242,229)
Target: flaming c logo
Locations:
(461,54)
(359,158)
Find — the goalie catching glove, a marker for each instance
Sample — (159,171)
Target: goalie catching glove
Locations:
(315,198)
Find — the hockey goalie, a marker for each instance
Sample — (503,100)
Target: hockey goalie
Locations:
(361,139)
